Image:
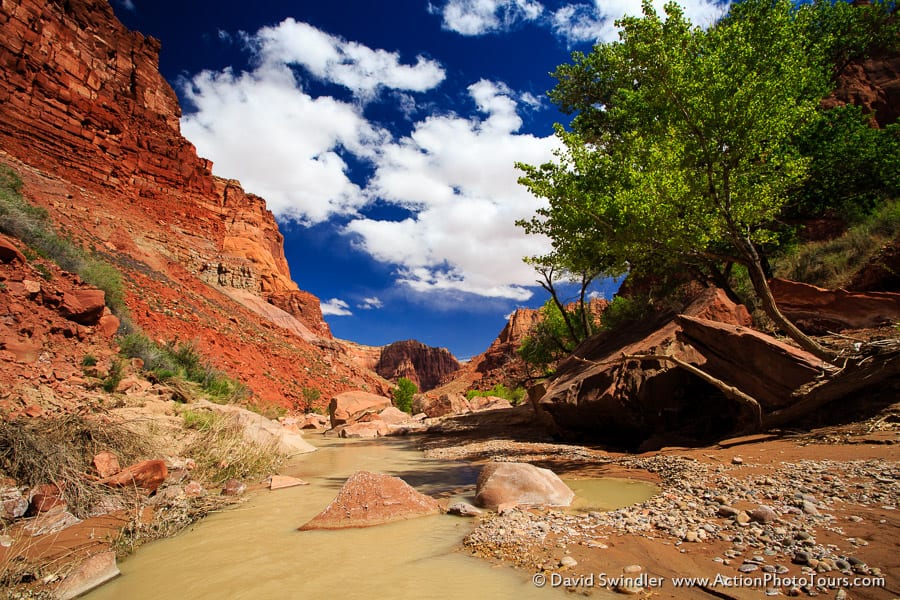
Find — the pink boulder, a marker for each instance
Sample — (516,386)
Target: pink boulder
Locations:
(520,483)
(368,499)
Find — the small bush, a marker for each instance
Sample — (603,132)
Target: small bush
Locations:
(114,377)
(222,453)
(403,394)
(199,420)
(89,360)
(500,391)
(310,397)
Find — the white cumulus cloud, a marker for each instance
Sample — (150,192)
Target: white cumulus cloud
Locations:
(596,22)
(282,143)
(477,17)
(454,173)
(355,66)
(336,307)
(370,303)
(457,175)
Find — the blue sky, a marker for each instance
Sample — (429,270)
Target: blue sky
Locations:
(383,135)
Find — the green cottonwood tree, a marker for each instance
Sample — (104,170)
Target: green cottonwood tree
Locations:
(681,154)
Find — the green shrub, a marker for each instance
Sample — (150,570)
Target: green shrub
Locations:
(500,391)
(183,361)
(112,380)
(89,360)
(310,397)
(403,394)
(199,420)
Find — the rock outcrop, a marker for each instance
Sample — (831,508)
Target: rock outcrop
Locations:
(368,499)
(423,365)
(818,310)
(873,84)
(602,395)
(501,363)
(349,407)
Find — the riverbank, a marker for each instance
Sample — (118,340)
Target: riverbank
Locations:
(800,514)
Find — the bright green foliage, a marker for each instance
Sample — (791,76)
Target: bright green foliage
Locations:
(500,391)
(403,394)
(682,154)
(681,147)
(552,339)
(622,311)
(853,169)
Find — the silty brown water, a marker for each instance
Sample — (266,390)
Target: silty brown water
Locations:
(255,551)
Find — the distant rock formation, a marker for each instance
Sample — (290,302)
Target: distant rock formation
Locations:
(423,365)
(500,363)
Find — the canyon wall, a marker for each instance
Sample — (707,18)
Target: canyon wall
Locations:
(92,128)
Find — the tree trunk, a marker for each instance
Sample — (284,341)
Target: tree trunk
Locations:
(761,286)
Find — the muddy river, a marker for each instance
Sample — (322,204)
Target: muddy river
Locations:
(255,551)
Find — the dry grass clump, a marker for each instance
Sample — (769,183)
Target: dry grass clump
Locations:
(222,453)
(60,451)
(169,518)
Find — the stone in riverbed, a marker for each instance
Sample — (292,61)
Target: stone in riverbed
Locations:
(233,487)
(278,482)
(520,483)
(463,509)
(368,499)
(763,514)
(93,572)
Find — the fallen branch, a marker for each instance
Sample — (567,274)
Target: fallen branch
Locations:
(860,373)
(748,402)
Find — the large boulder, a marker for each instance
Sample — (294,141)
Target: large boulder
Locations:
(761,366)
(259,430)
(520,483)
(349,407)
(147,475)
(630,402)
(439,406)
(367,429)
(394,416)
(368,499)
(84,306)
(488,403)
(89,574)
(9,252)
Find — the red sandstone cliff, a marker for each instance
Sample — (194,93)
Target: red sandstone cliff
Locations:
(873,84)
(423,365)
(93,130)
